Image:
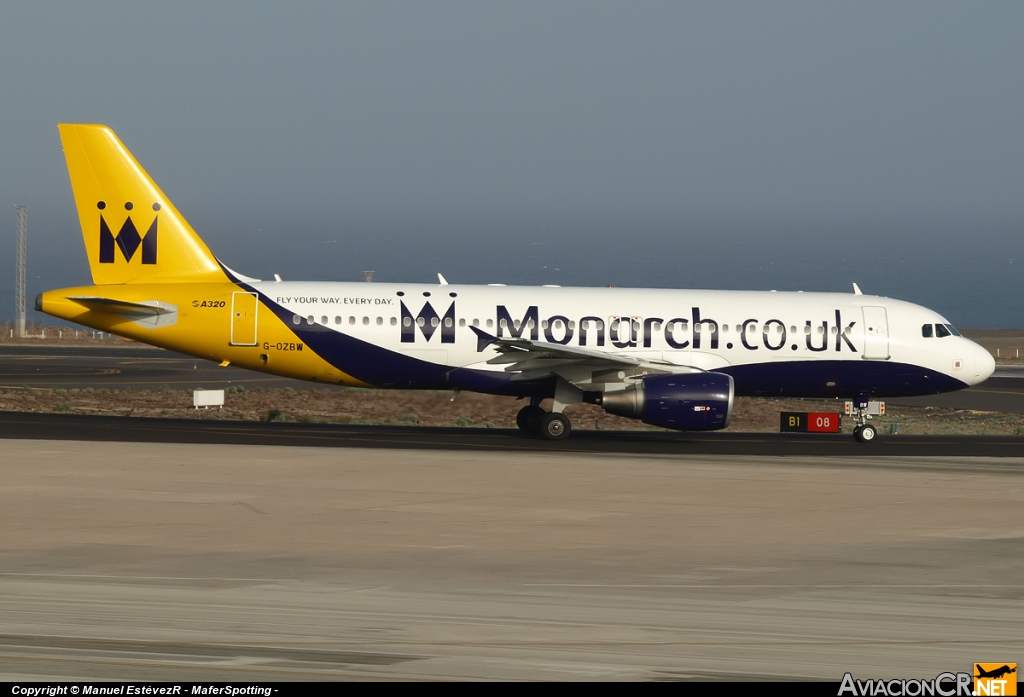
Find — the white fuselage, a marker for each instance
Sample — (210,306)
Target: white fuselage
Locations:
(753,335)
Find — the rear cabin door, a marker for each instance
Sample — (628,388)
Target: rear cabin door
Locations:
(876,333)
(243,319)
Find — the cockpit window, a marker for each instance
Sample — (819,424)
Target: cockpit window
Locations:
(941,331)
(952,330)
(926,331)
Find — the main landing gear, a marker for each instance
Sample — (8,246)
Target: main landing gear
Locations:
(548,425)
(528,418)
(553,425)
(863,431)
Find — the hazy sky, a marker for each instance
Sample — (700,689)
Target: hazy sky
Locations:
(714,144)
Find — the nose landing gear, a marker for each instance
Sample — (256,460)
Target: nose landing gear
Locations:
(863,431)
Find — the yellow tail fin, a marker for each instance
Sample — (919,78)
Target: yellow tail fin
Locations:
(133,234)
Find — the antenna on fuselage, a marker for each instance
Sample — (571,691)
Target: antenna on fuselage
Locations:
(368,276)
(440,279)
(856,290)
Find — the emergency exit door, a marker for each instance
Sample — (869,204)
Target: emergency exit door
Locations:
(876,333)
(244,307)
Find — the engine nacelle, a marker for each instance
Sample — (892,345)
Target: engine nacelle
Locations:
(690,402)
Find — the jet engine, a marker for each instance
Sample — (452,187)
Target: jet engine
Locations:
(690,402)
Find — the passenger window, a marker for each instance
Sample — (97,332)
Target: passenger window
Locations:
(941,331)
(926,331)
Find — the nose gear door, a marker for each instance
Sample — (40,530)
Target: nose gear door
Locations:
(876,333)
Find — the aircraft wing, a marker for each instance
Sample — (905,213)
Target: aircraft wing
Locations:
(538,359)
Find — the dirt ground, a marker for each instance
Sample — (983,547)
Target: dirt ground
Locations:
(432,408)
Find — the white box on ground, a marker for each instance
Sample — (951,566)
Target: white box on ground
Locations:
(208,398)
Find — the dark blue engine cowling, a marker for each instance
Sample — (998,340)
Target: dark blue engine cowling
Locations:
(691,402)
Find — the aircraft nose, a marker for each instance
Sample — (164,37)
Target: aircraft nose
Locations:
(981,365)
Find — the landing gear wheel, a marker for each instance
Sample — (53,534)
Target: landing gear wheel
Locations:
(865,433)
(528,419)
(555,426)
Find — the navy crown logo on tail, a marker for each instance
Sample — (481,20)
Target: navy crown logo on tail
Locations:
(128,240)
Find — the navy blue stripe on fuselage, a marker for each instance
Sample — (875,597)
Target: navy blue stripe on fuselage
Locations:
(385,368)
(827,379)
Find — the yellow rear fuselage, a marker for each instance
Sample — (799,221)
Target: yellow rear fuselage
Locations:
(214,321)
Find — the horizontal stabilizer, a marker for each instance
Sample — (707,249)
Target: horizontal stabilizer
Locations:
(149,314)
(122,306)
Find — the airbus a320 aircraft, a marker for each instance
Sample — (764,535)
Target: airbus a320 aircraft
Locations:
(671,358)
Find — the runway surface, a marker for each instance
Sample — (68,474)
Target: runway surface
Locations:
(21,425)
(239,562)
(120,368)
(137,368)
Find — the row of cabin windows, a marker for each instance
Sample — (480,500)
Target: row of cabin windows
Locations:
(940,331)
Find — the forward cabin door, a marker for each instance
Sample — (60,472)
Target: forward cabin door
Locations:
(243,319)
(876,333)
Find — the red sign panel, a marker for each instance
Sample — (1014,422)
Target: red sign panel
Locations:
(823,423)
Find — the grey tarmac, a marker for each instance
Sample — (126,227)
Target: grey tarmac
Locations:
(187,561)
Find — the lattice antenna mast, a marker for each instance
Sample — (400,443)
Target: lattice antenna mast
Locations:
(19,275)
